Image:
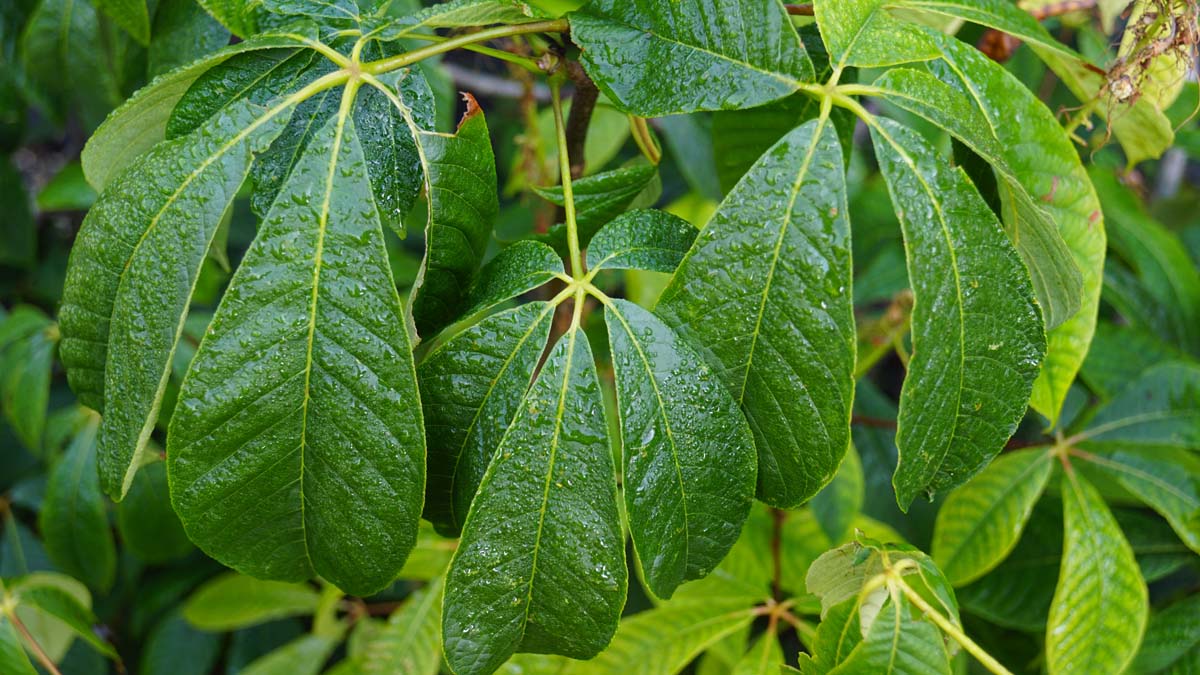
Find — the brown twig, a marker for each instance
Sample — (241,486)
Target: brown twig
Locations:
(800,10)
(583,102)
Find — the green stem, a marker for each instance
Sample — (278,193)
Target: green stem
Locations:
(409,58)
(950,629)
(564,169)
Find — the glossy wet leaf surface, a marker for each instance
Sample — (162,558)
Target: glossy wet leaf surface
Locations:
(644,239)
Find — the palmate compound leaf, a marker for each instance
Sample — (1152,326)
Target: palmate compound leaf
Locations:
(981,521)
(1056,278)
(689,455)
(541,563)
(657,57)
(1100,606)
(460,181)
(863,33)
(471,388)
(134,266)
(764,296)
(977,334)
(297,446)
(1048,166)
(899,641)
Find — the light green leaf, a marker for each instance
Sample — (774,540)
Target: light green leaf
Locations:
(54,634)
(664,640)
(766,656)
(430,557)
(598,199)
(838,504)
(656,60)
(1166,479)
(645,239)
(1049,167)
(977,334)
(898,642)
(689,454)
(27,341)
(65,607)
(411,641)
(837,635)
(12,654)
(73,521)
(130,15)
(1159,409)
(471,388)
(120,317)
(980,522)
(518,269)
(297,446)
(862,33)
(303,656)
(1100,606)
(233,601)
(1056,278)
(541,564)
(1172,642)
(778,324)
(460,175)
(141,122)
(149,527)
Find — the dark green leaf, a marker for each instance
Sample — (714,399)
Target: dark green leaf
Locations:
(27,340)
(130,15)
(644,239)
(598,199)
(977,334)
(862,33)
(67,191)
(330,10)
(149,528)
(689,454)
(980,522)
(655,60)
(175,648)
(1157,548)
(460,180)
(18,227)
(471,388)
(1099,609)
(241,17)
(541,564)
(1119,354)
(233,601)
(899,642)
(303,656)
(183,32)
(777,324)
(1056,278)
(1159,409)
(837,635)
(518,269)
(1172,641)
(1049,167)
(460,13)
(73,521)
(297,446)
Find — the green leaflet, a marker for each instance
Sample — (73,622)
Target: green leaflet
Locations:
(839,503)
(898,642)
(1099,608)
(149,528)
(241,17)
(130,15)
(1166,479)
(541,564)
(1172,641)
(981,521)
(520,268)
(1159,409)
(1156,547)
(140,122)
(837,635)
(182,33)
(333,11)
(655,59)
(778,324)
(173,647)
(598,199)
(645,239)
(459,13)
(1160,261)
(1119,354)
(12,654)
(303,656)
(471,388)
(977,335)
(1056,278)
(136,260)
(410,643)
(460,179)
(862,33)
(300,411)
(63,606)
(842,572)
(27,341)
(766,656)
(689,454)
(1049,167)
(232,601)
(73,521)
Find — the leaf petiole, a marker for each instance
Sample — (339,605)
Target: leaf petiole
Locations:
(564,168)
